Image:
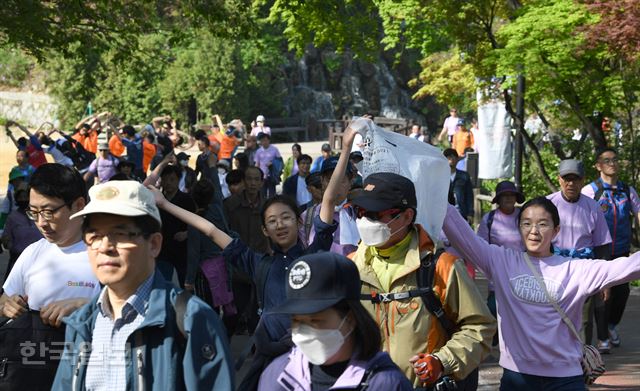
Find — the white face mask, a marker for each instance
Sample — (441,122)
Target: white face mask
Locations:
(374,233)
(318,345)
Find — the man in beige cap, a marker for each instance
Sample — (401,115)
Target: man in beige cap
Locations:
(141,329)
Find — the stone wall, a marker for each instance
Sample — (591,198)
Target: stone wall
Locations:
(27,108)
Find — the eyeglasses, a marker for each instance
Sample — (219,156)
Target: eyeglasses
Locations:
(119,239)
(608,161)
(46,214)
(542,226)
(375,216)
(284,220)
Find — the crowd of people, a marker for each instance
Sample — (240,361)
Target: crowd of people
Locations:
(328,271)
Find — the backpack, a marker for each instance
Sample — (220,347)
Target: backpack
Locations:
(618,211)
(425,277)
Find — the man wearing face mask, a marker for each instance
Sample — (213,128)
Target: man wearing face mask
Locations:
(389,257)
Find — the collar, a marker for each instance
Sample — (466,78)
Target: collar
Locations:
(138,302)
(568,200)
(161,294)
(296,373)
(244,200)
(419,245)
(401,246)
(294,252)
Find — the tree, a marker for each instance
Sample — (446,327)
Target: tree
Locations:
(40,26)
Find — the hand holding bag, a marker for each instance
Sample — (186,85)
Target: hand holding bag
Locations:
(592,363)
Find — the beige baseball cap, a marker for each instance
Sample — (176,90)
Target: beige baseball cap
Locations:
(122,198)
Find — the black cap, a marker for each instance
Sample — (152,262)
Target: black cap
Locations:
(356,155)
(317,281)
(331,163)
(386,190)
(507,187)
(182,156)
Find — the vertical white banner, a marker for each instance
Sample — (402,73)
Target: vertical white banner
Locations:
(493,139)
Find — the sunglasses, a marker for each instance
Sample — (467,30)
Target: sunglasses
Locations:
(375,216)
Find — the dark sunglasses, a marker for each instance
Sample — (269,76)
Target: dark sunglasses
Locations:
(375,216)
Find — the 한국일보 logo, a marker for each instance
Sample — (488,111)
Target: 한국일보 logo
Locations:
(300,275)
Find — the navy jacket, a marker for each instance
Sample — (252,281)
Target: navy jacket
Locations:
(461,193)
(290,186)
(158,363)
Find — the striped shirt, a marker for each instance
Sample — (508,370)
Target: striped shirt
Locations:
(106,369)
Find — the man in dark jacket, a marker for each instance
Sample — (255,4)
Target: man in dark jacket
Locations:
(140,332)
(460,187)
(295,186)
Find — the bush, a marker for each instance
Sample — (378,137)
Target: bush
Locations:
(14,66)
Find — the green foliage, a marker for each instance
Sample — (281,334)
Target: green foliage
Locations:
(449,78)
(14,66)
(71,80)
(204,72)
(100,25)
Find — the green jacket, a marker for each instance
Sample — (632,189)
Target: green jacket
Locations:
(408,328)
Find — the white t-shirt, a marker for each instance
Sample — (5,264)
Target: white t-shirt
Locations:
(47,273)
(302,194)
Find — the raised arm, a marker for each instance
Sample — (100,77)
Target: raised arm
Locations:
(330,195)
(153,178)
(10,134)
(218,236)
(86,119)
(470,246)
(219,121)
(24,129)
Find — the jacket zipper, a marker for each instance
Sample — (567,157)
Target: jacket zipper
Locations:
(76,371)
(140,368)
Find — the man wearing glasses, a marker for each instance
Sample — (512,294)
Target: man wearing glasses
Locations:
(584,234)
(50,279)
(620,205)
(52,275)
(140,332)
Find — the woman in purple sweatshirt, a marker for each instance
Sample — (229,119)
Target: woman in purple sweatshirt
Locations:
(537,349)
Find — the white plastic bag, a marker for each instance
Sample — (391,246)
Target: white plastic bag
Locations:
(424,164)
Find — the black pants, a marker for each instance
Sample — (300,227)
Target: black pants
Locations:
(617,303)
(595,308)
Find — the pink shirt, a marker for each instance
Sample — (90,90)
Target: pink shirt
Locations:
(451,123)
(264,157)
(533,338)
(257,130)
(582,223)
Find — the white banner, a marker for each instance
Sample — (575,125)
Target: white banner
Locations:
(493,139)
(424,164)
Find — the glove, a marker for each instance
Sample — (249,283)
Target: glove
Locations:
(428,368)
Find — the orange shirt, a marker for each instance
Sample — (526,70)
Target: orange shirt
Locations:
(461,141)
(115,146)
(227,145)
(91,142)
(148,152)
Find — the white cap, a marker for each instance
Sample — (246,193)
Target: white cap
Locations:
(122,198)
(260,118)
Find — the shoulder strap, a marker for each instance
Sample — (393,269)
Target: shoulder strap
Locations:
(308,221)
(553,301)
(490,223)
(425,277)
(261,273)
(599,189)
(180,307)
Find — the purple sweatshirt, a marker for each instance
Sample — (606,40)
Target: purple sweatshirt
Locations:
(582,223)
(533,338)
(291,372)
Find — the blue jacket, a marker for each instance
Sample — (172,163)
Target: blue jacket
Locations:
(159,363)
(290,372)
